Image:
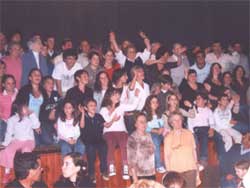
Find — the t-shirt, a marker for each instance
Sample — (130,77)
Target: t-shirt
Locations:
(61,72)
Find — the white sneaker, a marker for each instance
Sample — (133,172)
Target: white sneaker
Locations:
(161,170)
(112,170)
(125,175)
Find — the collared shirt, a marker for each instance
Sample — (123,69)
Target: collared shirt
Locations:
(83,59)
(36,55)
(202,73)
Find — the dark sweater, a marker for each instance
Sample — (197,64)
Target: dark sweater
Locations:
(76,95)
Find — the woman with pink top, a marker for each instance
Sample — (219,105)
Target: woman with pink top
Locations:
(6,99)
(19,136)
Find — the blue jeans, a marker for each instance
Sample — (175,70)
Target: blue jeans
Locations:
(157,140)
(201,136)
(3,127)
(47,135)
(66,148)
(242,127)
(224,183)
(91,149)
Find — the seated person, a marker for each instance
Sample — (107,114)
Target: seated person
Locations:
(27,167)
(173,179)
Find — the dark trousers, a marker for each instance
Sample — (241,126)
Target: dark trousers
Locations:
(91,150)
(201,136)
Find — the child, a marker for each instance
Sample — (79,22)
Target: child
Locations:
(155,126)
(224,123)
(92,137)
(200,125)
(173,180)
(242,169)
(19,136)
(68,129)
(6,99)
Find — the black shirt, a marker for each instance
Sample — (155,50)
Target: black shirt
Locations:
(16,183)
(85,182)
(76,95)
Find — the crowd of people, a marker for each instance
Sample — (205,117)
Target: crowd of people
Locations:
(93,99)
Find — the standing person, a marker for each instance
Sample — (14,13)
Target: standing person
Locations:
(110,65)
(73,174)
(92,137)
(64,71)
(28,170)
(33,59)
(2,72)
(83,55)
(140,149)
(80,91)
(155,126)
(102,84)
(93,68)
(180,150)
(68,129)
(13,62)
(66,44)
(115,132)
(19,136)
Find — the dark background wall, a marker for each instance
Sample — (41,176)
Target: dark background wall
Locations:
(198,22)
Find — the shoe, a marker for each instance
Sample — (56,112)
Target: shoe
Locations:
(112,170)
(105,176)
(6,178)
(125,175)
(161,170)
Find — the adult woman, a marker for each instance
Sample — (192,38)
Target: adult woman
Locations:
(180,150)
(102,84)
(73,174)
(110,65)
(140,148)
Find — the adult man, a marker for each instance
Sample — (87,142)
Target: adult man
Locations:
(66,44)
(83,56)
(27,167)
(226,61)
(201,67)
(33,59)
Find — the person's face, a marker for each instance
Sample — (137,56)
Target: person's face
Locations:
(51,43)
(104,79)
(16,37)
(95,60)
(237,48)
(125,44)
(165,57)
(37,45)
(140,74)
(85,47)
(154,103)
(9,85)
(224,101)
(200,60)
(67,45)
(141,124)
(239,73)
(15,51)
(25,110)
(109,57)
(69,169)
(35,77)
(200,102)
(166,86)
(68,109)
(240,172)
(227,79)
(216,70)
(217,48)
(44,50)
(91,107)
(124,78)
(70,61)
(35,174)
(155,46)
(115,98)
(175,186)
(84,78)
(176,122)
(131,53)
(2,69)
(49,85)
(192,78)
(173,101)
(177,49)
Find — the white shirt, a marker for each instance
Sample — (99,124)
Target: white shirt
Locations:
(66,129)
(226,61)
(121,58)
(58,58)
(21,130)
(143,94)
(61,72)
(83,59)
(246,179)
(203,118)
(36,55)
(119,111)
(203,73)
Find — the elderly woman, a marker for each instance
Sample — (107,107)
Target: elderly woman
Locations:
(140,151)
(180,150)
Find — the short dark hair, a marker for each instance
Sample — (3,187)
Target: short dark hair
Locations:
(69,52)
(65,41)
(160,52)
(166,79)
(118,74)
(79,73)
(192,71)
(242,164)
(88,100)
(172,178)
(23,162)
(92,53)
